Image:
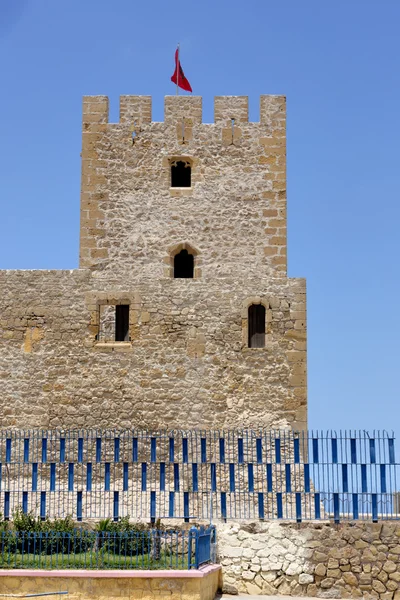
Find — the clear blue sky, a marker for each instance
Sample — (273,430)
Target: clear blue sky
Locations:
(338,64)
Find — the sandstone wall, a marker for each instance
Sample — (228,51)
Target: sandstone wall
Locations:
(185,366)
(350,560)
(186,363)
(234,213)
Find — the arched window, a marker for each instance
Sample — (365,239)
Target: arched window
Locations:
(181,173)
(256,326)
(183,265)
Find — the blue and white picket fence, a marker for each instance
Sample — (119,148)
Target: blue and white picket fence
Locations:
(241,474)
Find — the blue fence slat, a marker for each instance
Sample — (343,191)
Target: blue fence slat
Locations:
(240,451)
(25,502)
(336,511)
(261,512)
(116,449)
(222,450)
(203,450)
(79,506)
(334,451)
(153,450)
(80,450)
(8,450)
(144,477)
(162,477)
(107,477)
(288,482)
(259,450)
(279,505)
(1,472)
(71,477)
(391,451)
(44,450)
(317,506)
(116,506)
(185,453)
(43,505)
(383,478)
(134,450)
(355,506)
(374,504)
(171,450)
(34,476)
(213,477)
(223,505)
(353,451)
(89,477)
(6,505)
(231,477)
(277,450)
(125,477)
(250,476)
(315,453)
(269,477)
(345,480)
(298,507)
(195,480)
(53,477)
(152,506)
(98,450)
(372,452)
(176,477)
(26,450)
(306,477)
(186,513)
(364,487)
(62,450)
(171,505)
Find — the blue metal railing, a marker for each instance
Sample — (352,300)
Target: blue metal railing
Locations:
(241,474)
(86,549)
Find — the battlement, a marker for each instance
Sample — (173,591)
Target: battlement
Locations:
(138,109)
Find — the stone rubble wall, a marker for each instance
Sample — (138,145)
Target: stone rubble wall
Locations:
(349,560)
(186,365)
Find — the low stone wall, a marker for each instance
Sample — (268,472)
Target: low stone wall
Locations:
(350,560)
(199,584)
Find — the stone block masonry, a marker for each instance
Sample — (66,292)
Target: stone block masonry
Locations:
(350,560)
(185,360)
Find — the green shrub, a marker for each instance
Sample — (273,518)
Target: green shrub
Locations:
(123,538)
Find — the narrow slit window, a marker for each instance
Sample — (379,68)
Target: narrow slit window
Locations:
(181,174)
(122,323)
(183,265)
(256,326)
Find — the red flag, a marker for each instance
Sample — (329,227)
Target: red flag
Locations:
(179,76)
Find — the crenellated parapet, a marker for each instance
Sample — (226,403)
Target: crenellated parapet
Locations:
(226,108)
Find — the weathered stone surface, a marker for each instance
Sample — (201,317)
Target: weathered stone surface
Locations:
(378,586)
(292,573)
(390,566)
(304,578)
(60,364)
(320,570)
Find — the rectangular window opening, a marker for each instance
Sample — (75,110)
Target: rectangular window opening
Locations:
(122,323)
(114,323)
(256,326)
(181,174)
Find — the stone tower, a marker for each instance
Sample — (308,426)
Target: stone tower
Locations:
(181,313)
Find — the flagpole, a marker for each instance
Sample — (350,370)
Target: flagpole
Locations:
(177,72)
